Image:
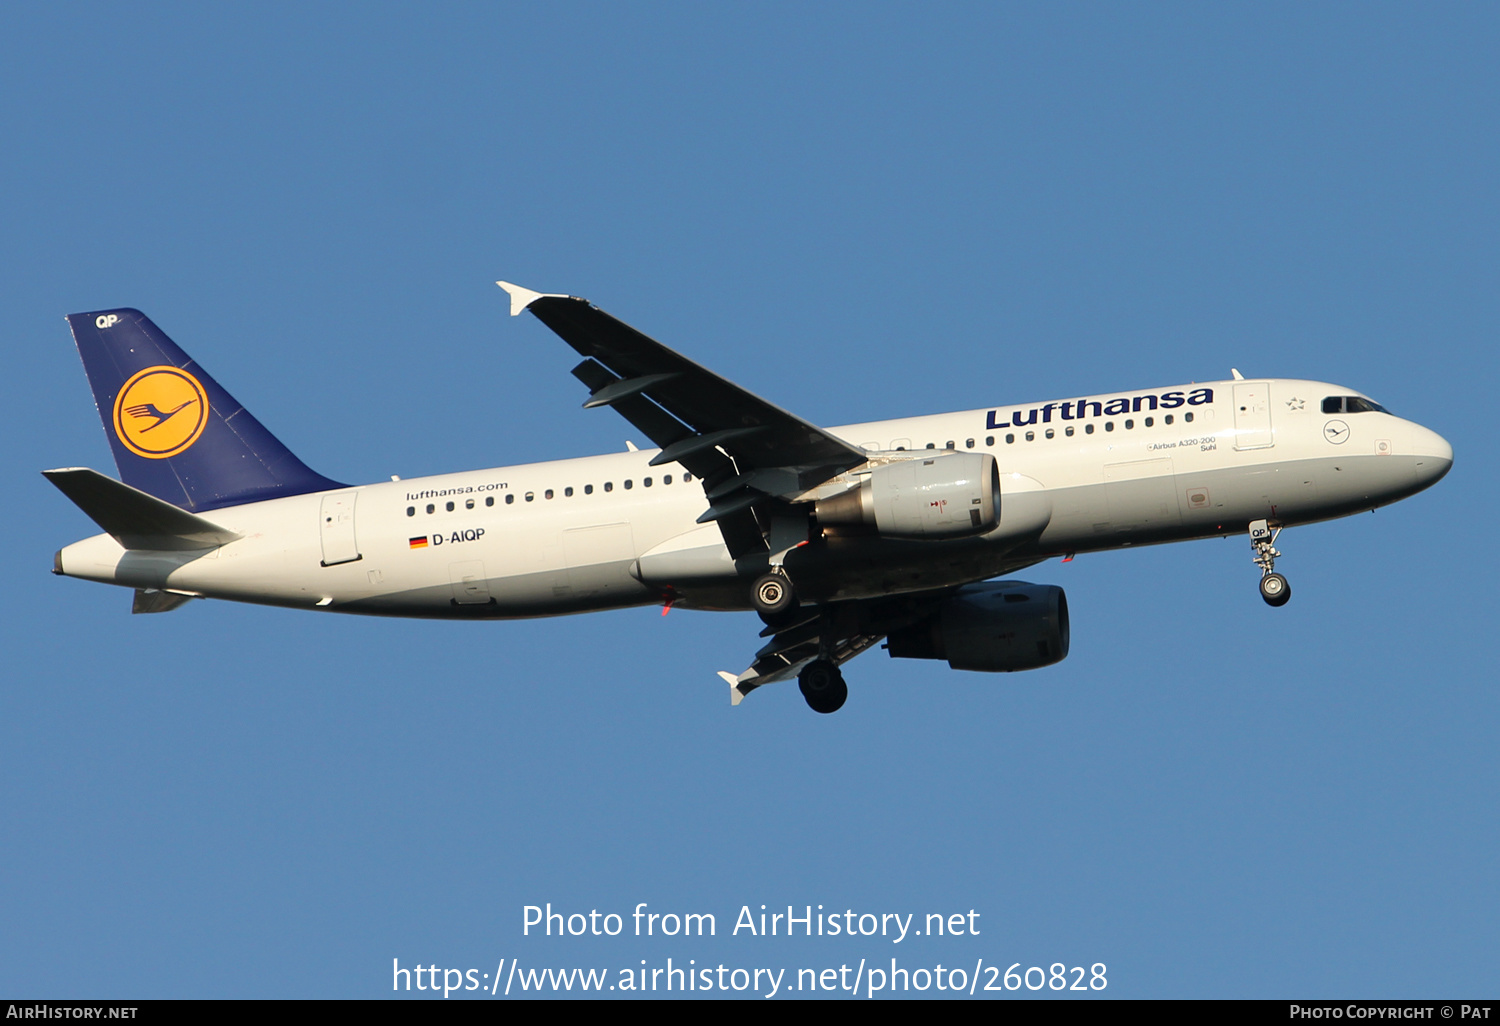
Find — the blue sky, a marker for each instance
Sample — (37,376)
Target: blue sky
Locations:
(857,211)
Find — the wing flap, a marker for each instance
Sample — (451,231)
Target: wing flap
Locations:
(742,534)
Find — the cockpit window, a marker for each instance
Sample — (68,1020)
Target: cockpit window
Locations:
(1351,404)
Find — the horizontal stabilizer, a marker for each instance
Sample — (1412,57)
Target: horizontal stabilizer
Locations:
(153,600)
(136,520)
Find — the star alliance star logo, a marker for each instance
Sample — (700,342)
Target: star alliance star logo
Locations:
(1294,404)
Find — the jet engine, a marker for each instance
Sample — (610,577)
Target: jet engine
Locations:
(998,626)
(953,495)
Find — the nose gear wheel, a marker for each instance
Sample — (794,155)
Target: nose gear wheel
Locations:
(1275,590)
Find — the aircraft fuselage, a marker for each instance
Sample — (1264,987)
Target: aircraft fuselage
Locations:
(542,539)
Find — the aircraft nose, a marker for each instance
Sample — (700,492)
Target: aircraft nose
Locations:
(1434,455)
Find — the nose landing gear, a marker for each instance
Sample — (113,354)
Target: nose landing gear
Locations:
(1273,587)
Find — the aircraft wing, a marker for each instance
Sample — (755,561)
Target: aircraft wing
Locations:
(838,630)
(792,648)
(745,449)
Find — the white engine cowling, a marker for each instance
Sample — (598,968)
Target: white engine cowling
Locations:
(951,495)
(996,627)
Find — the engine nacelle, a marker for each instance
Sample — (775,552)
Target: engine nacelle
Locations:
(952,495)
(995,627)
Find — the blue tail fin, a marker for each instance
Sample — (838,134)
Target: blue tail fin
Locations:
(175,433)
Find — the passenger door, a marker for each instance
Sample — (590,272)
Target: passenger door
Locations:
(1252,415)
(336,525)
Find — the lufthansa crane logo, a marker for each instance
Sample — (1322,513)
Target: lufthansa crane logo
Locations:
(160,412)
(1336,431)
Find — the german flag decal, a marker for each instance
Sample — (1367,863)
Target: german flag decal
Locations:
(417,543)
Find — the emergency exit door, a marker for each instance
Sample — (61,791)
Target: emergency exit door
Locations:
(470,586)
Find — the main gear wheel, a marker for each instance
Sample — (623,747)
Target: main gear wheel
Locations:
(823,686)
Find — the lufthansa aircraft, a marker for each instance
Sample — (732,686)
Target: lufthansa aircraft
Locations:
(838,538)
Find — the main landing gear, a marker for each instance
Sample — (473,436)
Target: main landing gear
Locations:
(1273,587)
(823,685)
(820,681)
(773,597)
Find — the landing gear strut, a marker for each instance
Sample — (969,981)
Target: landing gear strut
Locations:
(1273,587)
(823,685)
(773,597)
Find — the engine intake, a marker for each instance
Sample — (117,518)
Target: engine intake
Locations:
(953,495)
(996,627)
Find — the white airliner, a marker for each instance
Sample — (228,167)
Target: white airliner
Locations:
(839,538)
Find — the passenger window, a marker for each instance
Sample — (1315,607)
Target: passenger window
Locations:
(530,496)
(686,477)
(1188,417)
(1031,436)
(411,511)
(510,498)
(1051,433)
(646,482)
(489,500)
(1010,439)
(666,479)
(1167,418)
(609,486)
(1148,421)
(989,439)
(1068,431)
(1129,425)
(450,507)
(968,443)
(628,484)
(1088,429)
(568,491)
(932,445)
(1109,425)
(430,507)
(950,445)
(547,494)
(468,504)
(588,489)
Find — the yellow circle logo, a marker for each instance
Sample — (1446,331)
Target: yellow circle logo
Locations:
(160,412)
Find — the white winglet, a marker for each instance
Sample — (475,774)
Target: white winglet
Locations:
(521,298)
(736,696)
(1233,370)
